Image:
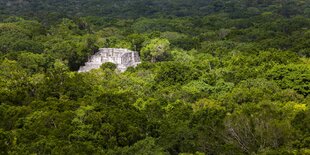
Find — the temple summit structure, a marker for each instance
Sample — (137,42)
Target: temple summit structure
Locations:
(123,58)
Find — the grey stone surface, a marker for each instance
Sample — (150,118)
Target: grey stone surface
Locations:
(123,58)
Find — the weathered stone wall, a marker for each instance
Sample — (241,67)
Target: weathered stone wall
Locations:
(123,58)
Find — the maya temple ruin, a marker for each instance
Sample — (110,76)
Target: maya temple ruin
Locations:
(123,58)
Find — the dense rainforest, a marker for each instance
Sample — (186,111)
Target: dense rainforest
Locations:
(217,77)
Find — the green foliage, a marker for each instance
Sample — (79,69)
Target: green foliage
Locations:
(217,77)
(253,91)
(263,125)
(5,142)
(156,50)
(292,76)
(172,73)
(108,65)
(146,146)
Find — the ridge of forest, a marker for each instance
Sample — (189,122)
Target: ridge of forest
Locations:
(217,77)
(151,8)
